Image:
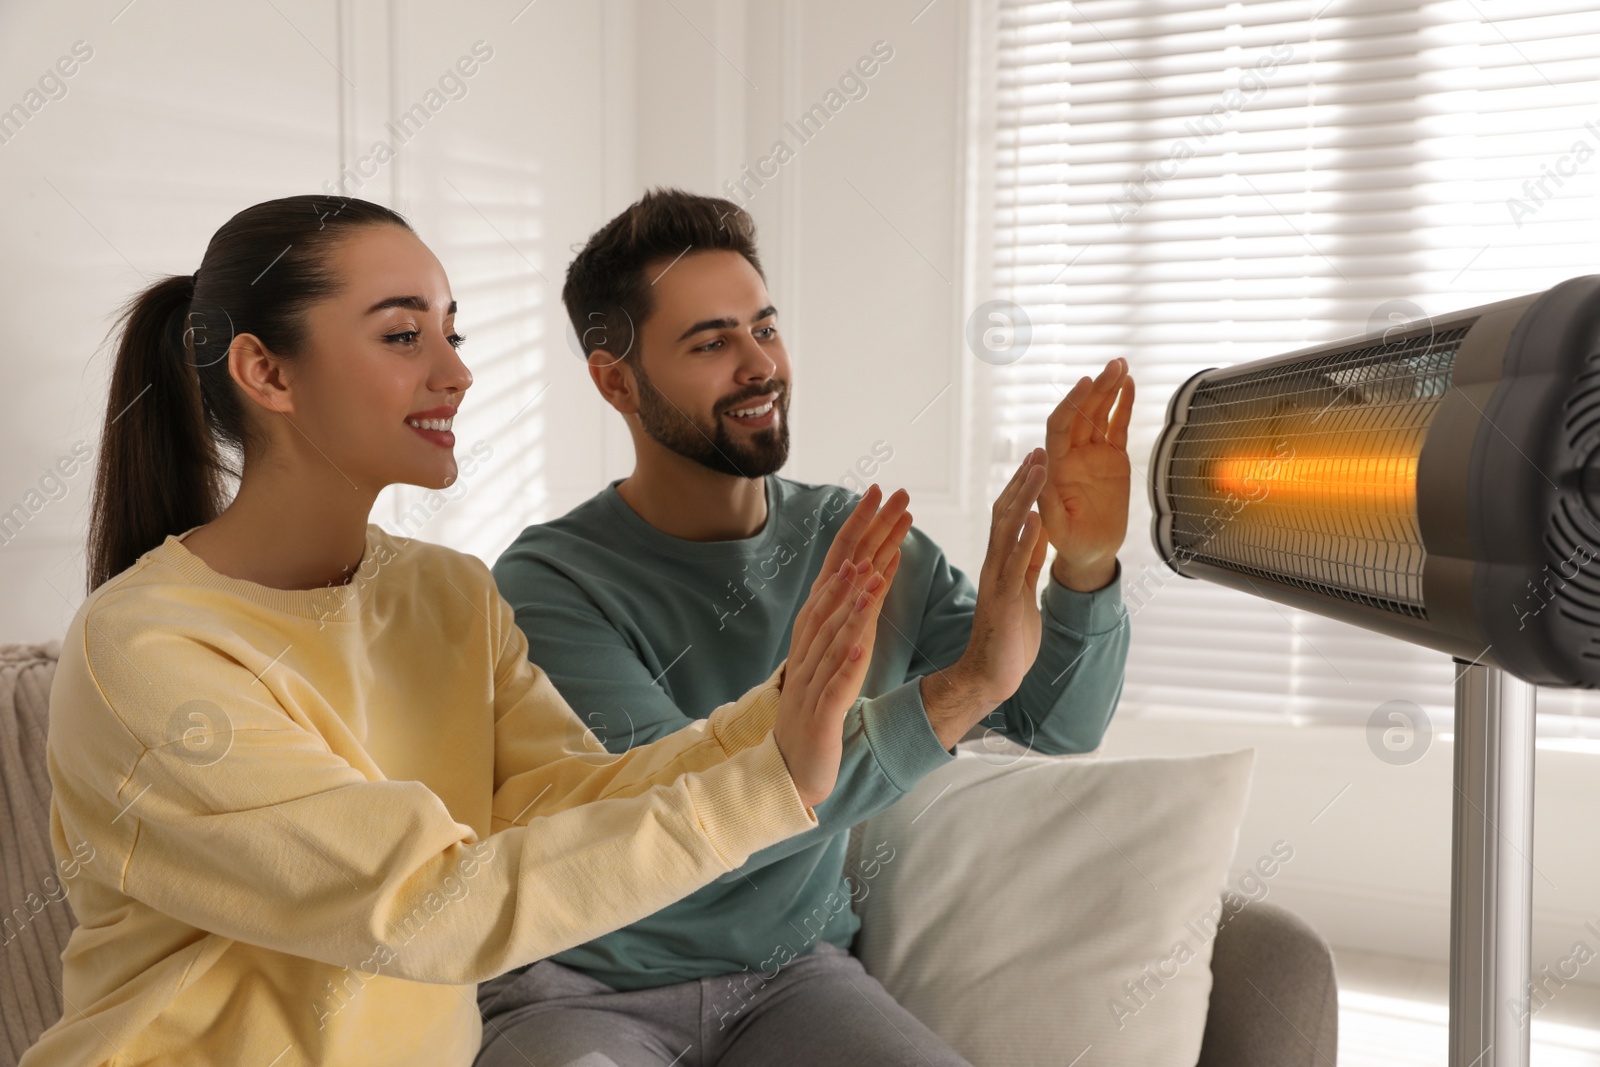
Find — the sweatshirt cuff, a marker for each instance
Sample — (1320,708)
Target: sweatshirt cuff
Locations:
(901,737)
(742,723)
(1086,613)
(748,802)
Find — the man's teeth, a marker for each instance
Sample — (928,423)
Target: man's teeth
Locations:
(762,410)
(431,424)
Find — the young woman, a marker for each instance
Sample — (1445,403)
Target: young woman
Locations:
(311,784)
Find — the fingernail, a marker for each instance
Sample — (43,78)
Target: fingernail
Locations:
(861,602)
(873,582)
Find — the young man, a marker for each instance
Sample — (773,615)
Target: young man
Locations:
(676,587)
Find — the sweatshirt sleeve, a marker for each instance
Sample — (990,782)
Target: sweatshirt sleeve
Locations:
(274,840)
(547,759)
(1066,699)
(888,743)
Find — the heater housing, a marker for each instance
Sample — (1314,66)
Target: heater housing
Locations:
(1438,482)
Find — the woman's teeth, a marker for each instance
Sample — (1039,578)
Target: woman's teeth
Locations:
(762,410)
(431,424)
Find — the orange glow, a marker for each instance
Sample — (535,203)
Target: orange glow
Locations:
(1348,482)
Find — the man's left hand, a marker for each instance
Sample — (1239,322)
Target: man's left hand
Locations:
(1084,503)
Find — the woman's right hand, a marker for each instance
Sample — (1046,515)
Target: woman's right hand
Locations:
(831,647)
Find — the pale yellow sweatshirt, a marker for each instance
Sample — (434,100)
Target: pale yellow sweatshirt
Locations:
(306,823)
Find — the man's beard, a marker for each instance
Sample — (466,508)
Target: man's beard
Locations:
(759,454)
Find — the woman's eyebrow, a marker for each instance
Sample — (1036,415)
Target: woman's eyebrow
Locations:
(412,303)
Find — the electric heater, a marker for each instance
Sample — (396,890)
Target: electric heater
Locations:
(1440,483)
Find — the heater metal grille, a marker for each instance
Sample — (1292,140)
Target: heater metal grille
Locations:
(1306,472)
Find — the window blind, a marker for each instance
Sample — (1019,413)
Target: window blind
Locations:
(1194,184)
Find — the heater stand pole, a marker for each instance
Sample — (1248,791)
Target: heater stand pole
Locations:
(1491,878)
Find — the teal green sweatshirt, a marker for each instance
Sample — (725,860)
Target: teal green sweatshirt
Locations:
(642,633)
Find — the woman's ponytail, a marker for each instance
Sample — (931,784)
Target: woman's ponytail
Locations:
(158,471)
(176,429)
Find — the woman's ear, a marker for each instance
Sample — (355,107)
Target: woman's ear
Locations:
(261,376)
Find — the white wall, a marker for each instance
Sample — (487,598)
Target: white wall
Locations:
(162,133)
(871,254)
(187,112)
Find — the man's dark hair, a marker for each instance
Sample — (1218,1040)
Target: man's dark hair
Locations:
(607,293)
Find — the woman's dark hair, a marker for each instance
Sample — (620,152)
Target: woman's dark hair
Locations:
(174,417)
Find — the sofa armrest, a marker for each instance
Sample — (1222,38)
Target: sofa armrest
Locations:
(1274,993)
(37,921)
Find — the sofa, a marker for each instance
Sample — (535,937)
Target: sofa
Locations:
(1263,950)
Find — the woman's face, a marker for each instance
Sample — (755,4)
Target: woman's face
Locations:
(380,356)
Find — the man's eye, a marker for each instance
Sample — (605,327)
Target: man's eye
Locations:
(708,346)
(769,331)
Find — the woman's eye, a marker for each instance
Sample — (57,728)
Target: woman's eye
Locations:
(409,337)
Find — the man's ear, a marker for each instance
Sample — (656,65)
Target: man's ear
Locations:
(259,373)
(615,380)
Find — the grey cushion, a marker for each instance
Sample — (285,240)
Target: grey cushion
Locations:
(1274,994)
(37,919)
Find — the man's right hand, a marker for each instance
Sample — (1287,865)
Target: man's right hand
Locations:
(1006,625)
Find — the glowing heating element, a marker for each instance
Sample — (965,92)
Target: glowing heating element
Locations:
(1306,472)
(1348,482)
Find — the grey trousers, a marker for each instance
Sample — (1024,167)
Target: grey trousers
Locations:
(820,1009)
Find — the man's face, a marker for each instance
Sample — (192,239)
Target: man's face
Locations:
(709,348)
